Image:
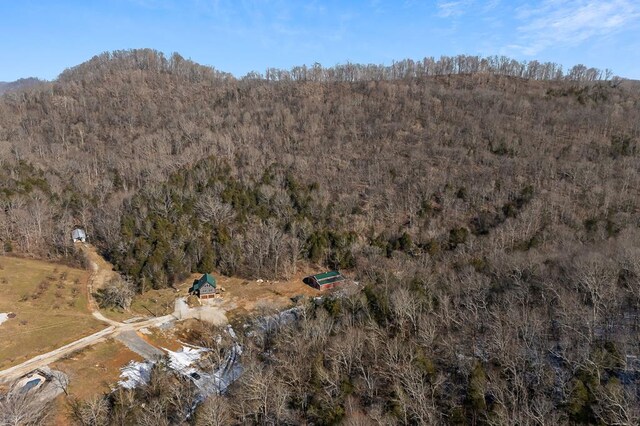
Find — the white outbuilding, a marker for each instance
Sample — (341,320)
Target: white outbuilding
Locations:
(79,235)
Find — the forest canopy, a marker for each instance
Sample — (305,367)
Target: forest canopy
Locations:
(490,209)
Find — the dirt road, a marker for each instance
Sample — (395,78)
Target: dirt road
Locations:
(102,271)
(39,361)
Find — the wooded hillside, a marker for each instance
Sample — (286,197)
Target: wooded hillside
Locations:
(493,220)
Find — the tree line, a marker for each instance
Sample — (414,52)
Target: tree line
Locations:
(429,67)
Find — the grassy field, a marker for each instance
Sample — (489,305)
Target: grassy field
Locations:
(50,306)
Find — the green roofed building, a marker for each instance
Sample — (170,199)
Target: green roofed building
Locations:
(326,280)
(205,287)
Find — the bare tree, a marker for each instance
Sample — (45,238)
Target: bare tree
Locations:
(17,409)
(617,404)
(596,278)
(214,411)
(91,412)
(211,209)
(60,380)
(118,292)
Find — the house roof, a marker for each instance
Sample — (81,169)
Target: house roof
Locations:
(205,279)
(328,277)
(78,233)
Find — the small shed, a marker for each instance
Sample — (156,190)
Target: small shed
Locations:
(205,287)
(78,235)
(325,280)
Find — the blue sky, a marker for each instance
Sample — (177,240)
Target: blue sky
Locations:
(42,38)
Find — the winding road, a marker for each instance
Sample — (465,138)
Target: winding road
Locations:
(101,272)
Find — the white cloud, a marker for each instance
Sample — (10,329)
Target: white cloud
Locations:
(491,4)
(572,22)
(450,8)
(455,8)
(153,4)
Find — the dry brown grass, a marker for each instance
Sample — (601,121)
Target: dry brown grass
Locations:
(95,369)
(151,303)
(50,303)
(161,338)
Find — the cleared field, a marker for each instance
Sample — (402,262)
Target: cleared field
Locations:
(49,302)
(240,297)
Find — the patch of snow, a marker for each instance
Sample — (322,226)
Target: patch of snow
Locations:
(274,321)
(229,371)
(3,317)
(135,374)
(145,330)
(183,359)
(231,332)
(217,381)
(209,383)
(190,345)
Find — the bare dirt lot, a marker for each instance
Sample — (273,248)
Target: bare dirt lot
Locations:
(50,306)
(166,339)
(242,297)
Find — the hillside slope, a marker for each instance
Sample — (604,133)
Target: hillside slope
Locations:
(19,85)
(492,220)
